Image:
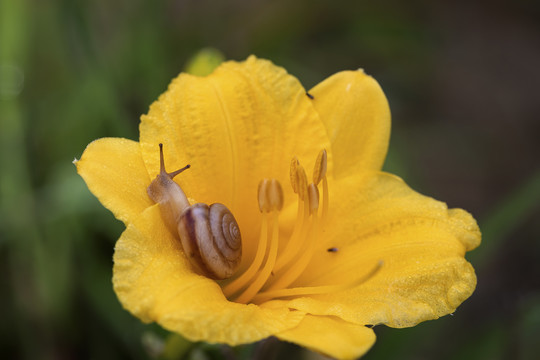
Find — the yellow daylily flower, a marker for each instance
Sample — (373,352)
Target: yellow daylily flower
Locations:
(333,250)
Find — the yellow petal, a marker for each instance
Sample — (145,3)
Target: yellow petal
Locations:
(420,242)
(356,115)
(153,280)
(242,123)
(331,336)
(114,171)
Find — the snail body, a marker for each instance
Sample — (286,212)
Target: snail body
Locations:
(210,235)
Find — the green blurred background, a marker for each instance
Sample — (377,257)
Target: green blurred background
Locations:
(463,82)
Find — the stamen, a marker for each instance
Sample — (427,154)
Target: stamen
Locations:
(298,178)
(270,196)
(313,193)
(274,274)
(325,201)
(292,173)
(298,182)
(315,290)
(295,270)
(263,275)
(244,279)
(319,171)
(310,231)
(297,238)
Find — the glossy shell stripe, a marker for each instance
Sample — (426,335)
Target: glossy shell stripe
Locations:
(211,239)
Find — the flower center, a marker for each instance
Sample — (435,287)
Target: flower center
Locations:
(273,270)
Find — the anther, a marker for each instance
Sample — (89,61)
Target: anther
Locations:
(319,171)
(270,195)
(292,172)
(269,275)
(313,196)
(299,179)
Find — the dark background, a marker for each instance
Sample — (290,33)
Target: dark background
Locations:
(462,79)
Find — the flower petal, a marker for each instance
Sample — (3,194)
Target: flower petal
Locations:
(356,115)
(154,281)
(242,123)
(419,241)
(331,336)
(114,172)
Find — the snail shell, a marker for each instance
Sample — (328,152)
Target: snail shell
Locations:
(210,235)
(211,239)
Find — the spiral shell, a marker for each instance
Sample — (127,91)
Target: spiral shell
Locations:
(211,239)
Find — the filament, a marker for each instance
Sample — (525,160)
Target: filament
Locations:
(315,290)
(263,275)
(243,279)
(297,238)
(274,269)
(295,270)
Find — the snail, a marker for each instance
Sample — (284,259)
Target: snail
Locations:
(210,235)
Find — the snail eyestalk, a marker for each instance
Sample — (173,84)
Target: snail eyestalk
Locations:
(162,165)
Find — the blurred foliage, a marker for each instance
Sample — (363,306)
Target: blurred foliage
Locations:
(204,62)
(462,80)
